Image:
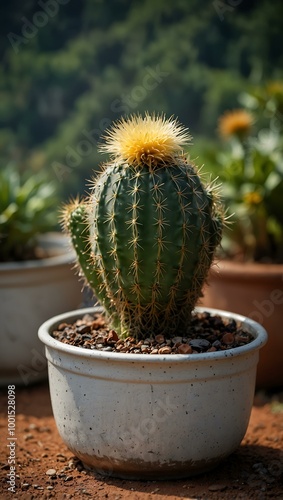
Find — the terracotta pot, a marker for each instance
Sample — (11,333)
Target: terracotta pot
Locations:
(151,416)
(256,291)
(31,292)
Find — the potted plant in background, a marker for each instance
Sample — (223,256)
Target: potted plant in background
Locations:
(36,277)
(136,393)
(248,278)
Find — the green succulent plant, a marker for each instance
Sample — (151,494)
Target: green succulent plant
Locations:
(251,172)
(145,237)
(27,209)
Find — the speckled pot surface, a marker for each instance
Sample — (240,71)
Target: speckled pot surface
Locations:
(151,416)
(30,292)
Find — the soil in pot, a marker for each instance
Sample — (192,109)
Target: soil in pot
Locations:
(206,333)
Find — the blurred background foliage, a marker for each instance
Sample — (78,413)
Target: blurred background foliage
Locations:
(70,67)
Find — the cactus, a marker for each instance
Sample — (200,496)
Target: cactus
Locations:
(146,235)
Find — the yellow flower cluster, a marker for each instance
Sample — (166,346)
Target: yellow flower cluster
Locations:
(237,122)
(252,198)
(149,140)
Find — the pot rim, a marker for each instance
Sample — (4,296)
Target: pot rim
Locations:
(246,269)
(255,328)
(61,241)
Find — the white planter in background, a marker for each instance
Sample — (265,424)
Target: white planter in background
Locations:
(31,292)
(148,416)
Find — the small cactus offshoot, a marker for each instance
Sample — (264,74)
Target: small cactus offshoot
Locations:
(145,237)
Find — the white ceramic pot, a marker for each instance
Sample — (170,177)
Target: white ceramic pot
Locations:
(146,416)
(30,293)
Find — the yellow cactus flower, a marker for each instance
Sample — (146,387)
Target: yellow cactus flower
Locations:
(252,198)
(237,122)
(149,140)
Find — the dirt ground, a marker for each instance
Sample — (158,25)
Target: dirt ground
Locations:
(46,469)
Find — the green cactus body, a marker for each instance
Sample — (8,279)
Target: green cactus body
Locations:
(150,236)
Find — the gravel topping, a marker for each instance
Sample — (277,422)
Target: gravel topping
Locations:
(206,333)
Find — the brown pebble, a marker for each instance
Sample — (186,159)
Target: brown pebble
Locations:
(62,326)
(154,351)
(129,339)
(144,348)
(243,339)
(124,349)
(165,350)
(33,427)
(159,339)
(184,349)
(50,472)
(44,429)
(177,340)
(228,338)
(100,339)
(112,336)
(27,437)
(83,329)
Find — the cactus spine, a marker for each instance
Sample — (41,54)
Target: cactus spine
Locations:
(146,235)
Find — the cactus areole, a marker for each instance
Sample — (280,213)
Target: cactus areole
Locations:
(145,237)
